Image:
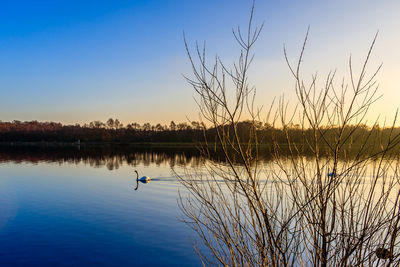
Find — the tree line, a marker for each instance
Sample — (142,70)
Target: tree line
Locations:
(110,131)
(113,131)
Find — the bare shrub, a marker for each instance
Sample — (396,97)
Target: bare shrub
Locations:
(338,205)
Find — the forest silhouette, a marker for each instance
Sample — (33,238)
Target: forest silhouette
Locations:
(178,135)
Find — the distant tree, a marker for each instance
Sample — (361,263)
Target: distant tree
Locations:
(159,127)
(196,125)
(146,127)
(110,123)
(98,124)
(182,126)
(117,124)
(172,126)
(136,125)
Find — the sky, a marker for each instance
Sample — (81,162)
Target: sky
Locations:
(81,61)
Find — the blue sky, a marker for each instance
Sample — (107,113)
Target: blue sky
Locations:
(80,61)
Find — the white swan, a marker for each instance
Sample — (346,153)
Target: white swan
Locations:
(142,179)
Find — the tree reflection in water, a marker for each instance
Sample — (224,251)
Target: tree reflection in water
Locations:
(111,156)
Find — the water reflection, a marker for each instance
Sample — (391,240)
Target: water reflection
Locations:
(98,156)
(141,181)
(74,214)
(111,156)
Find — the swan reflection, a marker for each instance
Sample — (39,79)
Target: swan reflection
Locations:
(142,181)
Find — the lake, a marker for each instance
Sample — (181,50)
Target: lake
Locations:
(77,206)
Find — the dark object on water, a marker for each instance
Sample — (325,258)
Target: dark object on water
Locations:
(331,174)
(383,253)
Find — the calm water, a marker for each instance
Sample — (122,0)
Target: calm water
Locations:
(78,207)
(63,206)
